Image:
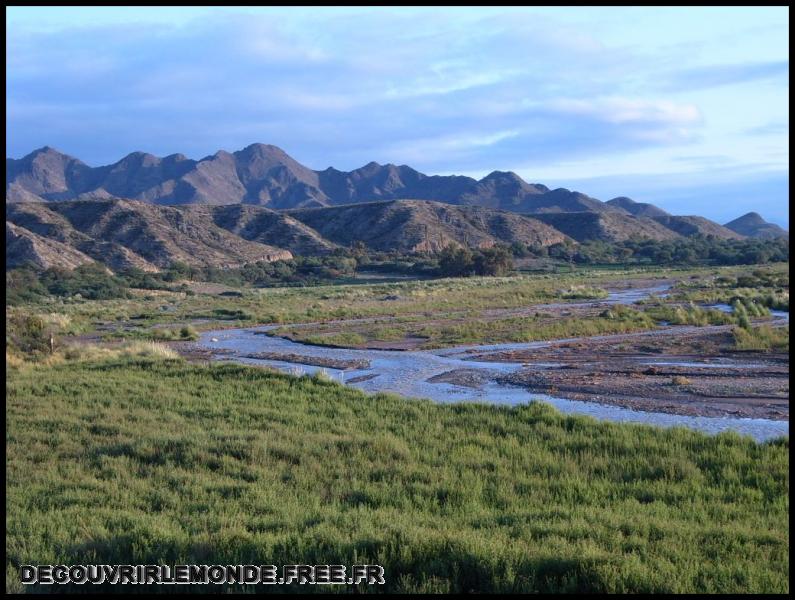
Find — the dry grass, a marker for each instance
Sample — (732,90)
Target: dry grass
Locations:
(93,352)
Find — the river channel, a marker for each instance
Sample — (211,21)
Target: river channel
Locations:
(407,373)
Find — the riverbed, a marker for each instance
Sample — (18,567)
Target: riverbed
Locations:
(407,373)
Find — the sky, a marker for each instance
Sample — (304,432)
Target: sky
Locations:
(684,107)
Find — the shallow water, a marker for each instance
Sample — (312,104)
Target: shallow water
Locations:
(776,314)
(407,373)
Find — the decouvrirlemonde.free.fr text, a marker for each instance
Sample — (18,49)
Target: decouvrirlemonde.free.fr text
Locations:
(202,574)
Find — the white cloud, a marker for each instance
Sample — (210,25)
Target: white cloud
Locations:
(627,110)
(450,146)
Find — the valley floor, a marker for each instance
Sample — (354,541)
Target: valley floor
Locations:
(626,359)
(120,451)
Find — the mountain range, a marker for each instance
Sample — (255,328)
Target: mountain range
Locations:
(260,204)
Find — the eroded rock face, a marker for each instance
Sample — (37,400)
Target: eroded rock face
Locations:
(23,247)
(124,234)
(416,225)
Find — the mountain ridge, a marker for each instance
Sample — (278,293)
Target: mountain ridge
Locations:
(265,175)
(753,225)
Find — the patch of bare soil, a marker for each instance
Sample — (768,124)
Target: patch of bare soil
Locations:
(194,352)
(201,287)
(681,372)
(361,378)
(317,361)
(473,378)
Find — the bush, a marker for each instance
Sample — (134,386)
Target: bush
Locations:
(763,338)
(583,292)
(459,261)
(188,332)
(91,281)
(27,333)
(689,250)
(23,285)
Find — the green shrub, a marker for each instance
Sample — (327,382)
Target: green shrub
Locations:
(188,332)
(762,338)
(27,333)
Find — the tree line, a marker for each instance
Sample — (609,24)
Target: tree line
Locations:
(95,282)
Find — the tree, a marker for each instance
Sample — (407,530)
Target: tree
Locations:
(456,261)
(563,250)
(493,261)
(519,249)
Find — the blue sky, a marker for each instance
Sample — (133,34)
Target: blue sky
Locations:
(681,106)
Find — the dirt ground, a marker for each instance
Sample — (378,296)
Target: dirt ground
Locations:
(636,371)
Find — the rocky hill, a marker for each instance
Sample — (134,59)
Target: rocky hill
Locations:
(260,204)
(639,209)
(608,227)
(418,225)
(753,225)
(123,234)
(23,247)
(693,225)
(128,233)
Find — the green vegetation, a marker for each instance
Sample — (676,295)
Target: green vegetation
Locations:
(95,282)
(536,328)
(691,250)
(157,334)
(29,334)
(90,281)
(540,326)
(767,287)
(761,338)
(126,454)
(404,308)
(583,292)
(152,460)
(690,315)
(149,307)
(183,333)
(457,261)
(301,270)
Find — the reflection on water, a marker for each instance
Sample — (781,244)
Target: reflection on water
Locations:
(407,373)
